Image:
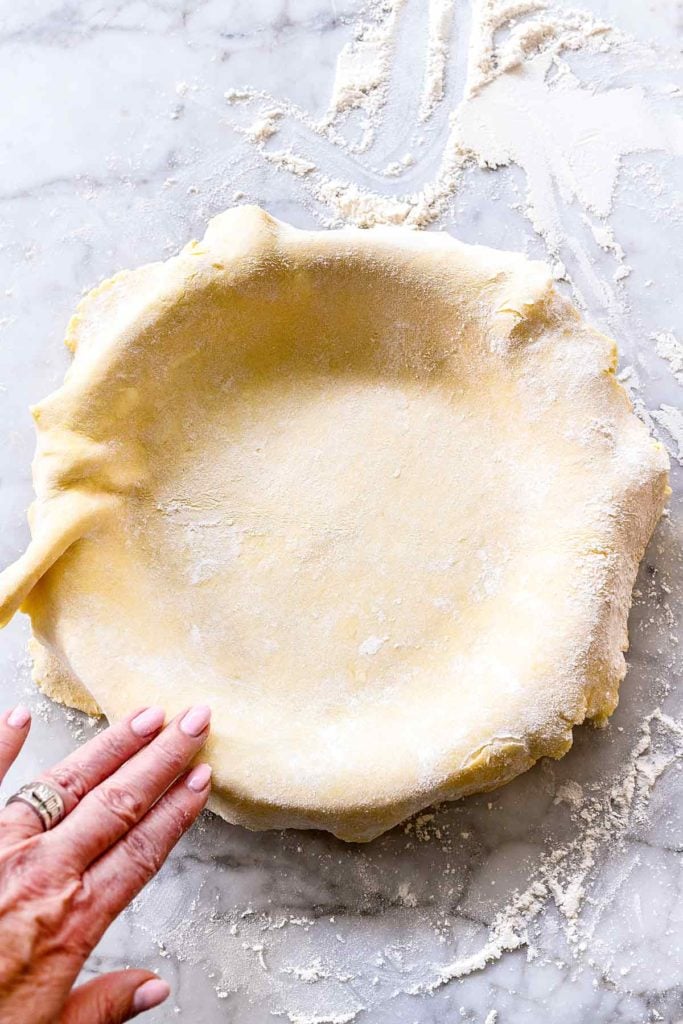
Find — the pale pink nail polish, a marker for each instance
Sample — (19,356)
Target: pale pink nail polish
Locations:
(150,994)
(148,721)
(19,717)
(199,778)
(196,720)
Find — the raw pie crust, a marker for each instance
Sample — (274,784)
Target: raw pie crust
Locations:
(375,496)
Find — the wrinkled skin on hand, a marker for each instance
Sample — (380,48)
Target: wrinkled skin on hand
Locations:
(128,798)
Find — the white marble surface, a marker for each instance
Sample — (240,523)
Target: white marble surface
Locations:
(115,148)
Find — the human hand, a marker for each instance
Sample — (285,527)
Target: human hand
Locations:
(126,808)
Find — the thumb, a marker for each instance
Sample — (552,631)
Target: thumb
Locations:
(114,998)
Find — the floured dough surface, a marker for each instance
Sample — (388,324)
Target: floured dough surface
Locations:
(375,496)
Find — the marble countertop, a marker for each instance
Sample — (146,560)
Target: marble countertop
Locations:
(558,897)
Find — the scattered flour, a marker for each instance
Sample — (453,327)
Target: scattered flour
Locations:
(395,169)
(365,209)
(569,140)
(622,272)
(266,125)
(315,971)
(364,68)
(406,896)
(669,348)
(325,1018)
(570,793)
(521,104)
(289,161)
(440,25)
(604,236)
(238,95)
(672,420)
(564,873)
(493,53)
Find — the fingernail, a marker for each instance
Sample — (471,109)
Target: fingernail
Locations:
(199,778)
(19,717)
(196,720)
(148,721)
(150,994)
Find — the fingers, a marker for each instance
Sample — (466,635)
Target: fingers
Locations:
(88,766)
(114,998)
(126,868)
(110,810)
(14,728)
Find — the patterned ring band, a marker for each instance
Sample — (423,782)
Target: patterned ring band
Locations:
(44,800)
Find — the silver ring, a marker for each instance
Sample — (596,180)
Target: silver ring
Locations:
(44,800)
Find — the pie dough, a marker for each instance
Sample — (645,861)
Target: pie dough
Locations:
(375,496)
